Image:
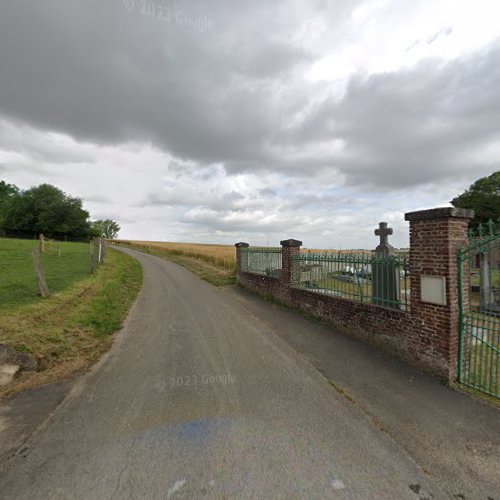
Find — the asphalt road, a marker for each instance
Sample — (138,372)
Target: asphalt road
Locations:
(200,399)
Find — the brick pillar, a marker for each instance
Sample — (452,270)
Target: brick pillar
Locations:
(435,238)
(239,256)
(289,249)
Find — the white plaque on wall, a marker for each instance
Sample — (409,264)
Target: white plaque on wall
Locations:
(433,289)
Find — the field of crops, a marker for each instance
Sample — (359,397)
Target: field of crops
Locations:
(223,256)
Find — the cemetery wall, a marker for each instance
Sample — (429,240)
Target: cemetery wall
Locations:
(426,336)
(397,332)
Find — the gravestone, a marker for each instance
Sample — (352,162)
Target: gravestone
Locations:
(384,232)
(385,271)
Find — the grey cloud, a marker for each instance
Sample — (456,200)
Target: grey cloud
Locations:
(179,197)
(267,192)
(229,95)
(99,72)
(412,127)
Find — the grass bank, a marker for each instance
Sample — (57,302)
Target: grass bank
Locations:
(72,328)
(213,263)
(63,264)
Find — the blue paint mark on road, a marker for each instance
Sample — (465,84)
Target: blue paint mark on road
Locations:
(195,433)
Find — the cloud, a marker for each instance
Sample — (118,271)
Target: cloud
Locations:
(291,117)
(411,127)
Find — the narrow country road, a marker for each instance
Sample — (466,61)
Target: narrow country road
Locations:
(200,399)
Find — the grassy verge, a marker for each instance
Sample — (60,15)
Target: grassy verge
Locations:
(217,271)
(63,264)
(72,328)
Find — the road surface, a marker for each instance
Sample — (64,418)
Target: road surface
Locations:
(200,399)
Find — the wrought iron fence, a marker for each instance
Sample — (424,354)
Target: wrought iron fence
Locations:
(479,352)
(367,278)
(262,260)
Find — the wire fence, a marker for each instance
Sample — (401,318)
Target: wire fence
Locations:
(33,268)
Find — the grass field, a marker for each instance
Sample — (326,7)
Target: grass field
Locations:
(63,264)
(213,263)
(72,328)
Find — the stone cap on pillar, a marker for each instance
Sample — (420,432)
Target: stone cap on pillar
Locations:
(291,243)
(241,244)
(440,213)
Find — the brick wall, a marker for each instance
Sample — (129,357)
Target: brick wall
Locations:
(427,336)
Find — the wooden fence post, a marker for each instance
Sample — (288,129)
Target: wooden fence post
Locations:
(42,243)
(42,284)
(103,251)
(92,256)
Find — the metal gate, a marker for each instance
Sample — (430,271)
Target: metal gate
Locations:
(479,281)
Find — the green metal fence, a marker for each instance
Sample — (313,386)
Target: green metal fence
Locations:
(368,278)
(479,347)
(262,260)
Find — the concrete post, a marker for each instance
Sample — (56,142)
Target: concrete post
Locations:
(435,238)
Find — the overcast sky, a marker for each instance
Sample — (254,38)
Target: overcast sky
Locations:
(221,120)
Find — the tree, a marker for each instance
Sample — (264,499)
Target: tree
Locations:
(7,192)
(106,228)
(44,209)
(483,197)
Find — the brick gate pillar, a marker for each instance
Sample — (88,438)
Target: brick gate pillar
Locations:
(239,257)
(435,238)
(288,273)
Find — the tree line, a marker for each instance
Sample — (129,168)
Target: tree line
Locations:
(47,210)
(483,197)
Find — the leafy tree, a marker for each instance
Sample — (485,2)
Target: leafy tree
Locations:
(45,209)
(106,228)
(7,192)
(483,197)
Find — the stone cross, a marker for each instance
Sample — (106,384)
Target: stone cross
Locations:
(385,272)
(383,231)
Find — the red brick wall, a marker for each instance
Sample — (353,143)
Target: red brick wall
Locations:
(397,332)
(434,245)
(427,336)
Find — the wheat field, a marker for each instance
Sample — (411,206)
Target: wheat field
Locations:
(219,255)
(223,256)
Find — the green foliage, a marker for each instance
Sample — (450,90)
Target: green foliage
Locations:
(108,229)
(483,197)
(42,209)
(7,191)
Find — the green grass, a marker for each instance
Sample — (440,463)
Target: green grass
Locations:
(216,272)
(63,264)
(72,328)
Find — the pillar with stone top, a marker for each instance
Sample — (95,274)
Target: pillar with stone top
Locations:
(436,236)
(240,265)
(290,271)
